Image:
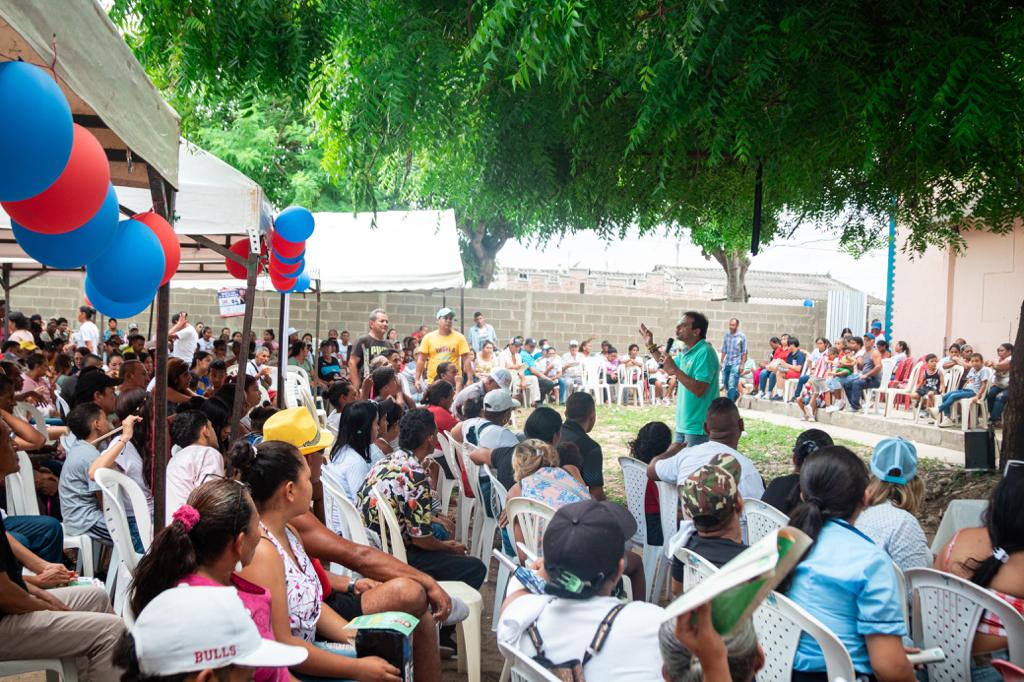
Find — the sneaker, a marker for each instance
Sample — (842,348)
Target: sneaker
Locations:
(946,423)
(831,409)
(934,412)
(776,398)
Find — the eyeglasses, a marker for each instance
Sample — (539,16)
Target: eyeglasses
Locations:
(242,489)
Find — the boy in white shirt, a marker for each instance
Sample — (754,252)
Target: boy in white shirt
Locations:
(194,463)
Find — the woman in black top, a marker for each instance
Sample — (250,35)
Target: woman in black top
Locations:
(783,493)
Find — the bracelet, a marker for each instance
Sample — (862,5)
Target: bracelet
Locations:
(351,587)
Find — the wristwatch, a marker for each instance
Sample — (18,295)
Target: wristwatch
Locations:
(351,587)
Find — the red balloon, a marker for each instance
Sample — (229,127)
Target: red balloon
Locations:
(285,248)
(284,269)
(73,199)
(168,240)
(241,247)
(280,283)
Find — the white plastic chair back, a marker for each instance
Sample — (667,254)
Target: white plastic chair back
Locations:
(668,506)
(953,375)
(62,405)
(531,517)
(336,505)
(888,367)
(116,487)
(523,668)
(762,519)
(631,379)
(695,568)
(35,416)
(594,378)
(499,494)
(129,493)
(779,622)
(634,480)
(447,445)
(391,541)
(946,612)
(26,502)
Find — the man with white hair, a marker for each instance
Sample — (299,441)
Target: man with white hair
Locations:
(572,370)
(368,347)
(511,359)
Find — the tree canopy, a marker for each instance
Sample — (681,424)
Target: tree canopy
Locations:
(535,117)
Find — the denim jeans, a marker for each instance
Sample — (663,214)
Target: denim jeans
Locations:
(731,380)
(950,398)
(767,381)
(691,439)
(855,385)
(800,385)
(41,535)
(996,402)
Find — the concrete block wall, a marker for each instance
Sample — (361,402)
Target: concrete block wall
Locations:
(557,316)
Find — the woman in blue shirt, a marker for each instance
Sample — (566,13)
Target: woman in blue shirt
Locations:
(845,580)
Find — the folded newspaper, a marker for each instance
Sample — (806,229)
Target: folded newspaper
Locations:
(387,620)
(743,583)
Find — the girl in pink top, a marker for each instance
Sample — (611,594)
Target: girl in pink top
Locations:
(217,531)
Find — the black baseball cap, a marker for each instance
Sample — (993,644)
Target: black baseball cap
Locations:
(90,381)
(583,545)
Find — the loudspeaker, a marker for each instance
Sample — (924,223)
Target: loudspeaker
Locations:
(979,449)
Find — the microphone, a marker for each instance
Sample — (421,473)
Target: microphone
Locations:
(668,344)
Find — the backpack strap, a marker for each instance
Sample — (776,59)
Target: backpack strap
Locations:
(602,633)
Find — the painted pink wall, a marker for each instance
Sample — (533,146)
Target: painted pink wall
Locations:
(940,296)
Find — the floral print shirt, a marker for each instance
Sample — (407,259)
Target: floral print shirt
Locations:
(406,485)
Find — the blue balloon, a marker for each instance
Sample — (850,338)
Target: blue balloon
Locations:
(808,303)
(73,249)
(115,308)
(294,224)
(35,131)
(301,284)
(290,261)
(131,266)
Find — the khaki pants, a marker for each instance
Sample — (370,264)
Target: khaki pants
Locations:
(89,632)
(531,389)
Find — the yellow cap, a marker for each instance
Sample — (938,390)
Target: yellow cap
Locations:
(297,426)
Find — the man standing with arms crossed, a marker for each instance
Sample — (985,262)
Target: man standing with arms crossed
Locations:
(368,347)
(696,372)
(733,356)
(443,345)
(481,332)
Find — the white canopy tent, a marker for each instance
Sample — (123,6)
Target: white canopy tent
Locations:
(341,253)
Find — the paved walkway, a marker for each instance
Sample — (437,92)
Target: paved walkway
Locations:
(923,450)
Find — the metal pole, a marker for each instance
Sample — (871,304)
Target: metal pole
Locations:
(316,330)
(149,332)
(6,275)
(252,267)
(462,309)
(282,349)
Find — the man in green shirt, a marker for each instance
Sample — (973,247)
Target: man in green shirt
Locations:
(696,370)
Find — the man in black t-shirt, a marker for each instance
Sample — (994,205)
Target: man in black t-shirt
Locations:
(711,498)
(368,347)
(580,417)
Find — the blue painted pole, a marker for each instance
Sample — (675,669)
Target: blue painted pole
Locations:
(890,279)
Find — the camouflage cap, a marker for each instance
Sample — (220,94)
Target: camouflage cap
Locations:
(710,492)
(729,463)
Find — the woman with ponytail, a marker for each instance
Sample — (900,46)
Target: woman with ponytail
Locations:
(210,538)
(992,557)
(279,482)
(845,580)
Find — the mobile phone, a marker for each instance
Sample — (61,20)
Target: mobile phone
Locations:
(933,655)
(527,577)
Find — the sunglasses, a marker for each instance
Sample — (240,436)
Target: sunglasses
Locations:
(242,489)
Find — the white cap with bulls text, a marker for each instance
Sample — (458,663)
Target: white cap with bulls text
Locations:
(186,629)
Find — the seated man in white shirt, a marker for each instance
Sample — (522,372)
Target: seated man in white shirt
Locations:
(510,359)
(724,428)
(584,558)
(259,366)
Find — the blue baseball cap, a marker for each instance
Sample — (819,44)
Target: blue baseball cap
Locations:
(894,461)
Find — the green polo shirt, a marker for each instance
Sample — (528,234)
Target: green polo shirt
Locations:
(700,363)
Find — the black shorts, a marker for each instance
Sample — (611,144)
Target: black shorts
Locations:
(348,606)
(923,391)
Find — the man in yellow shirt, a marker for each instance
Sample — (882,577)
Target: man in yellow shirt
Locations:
(443,345)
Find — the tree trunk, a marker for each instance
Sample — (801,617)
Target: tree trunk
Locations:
(481,241)
(735,264)
(1013,415)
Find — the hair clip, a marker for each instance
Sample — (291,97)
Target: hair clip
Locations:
(1000,555)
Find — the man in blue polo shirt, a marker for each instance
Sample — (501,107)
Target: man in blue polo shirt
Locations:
(696,370)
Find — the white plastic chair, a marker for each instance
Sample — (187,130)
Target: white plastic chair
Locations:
(22,501)
(789,387)
(484,539)
(910,390)
(762,519)
(531,517)
(634,480)
(946,611)
(631,379)
(972,416)
(34,416)
(56,668)
(668,509)
(594,380)
(472,470)
(695,567)
(522,668)
(339,510)
(445,484)
(469,629)
(952,376)
(872,397)
(116,489)
(779,622)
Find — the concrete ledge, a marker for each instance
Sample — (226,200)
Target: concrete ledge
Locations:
(951,438)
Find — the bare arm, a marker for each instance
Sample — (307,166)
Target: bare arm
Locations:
(481,456)
(420,367)
(109,456)
(15,600)
(353,370)
(652,472)
(467,368)
(889,659)
(26,437)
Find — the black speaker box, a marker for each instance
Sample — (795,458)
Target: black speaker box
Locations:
(979,449)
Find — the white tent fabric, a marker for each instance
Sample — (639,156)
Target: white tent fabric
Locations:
(347,253)
(107,89)
(214,200)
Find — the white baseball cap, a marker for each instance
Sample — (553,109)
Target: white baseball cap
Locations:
(502,377)
(292,330)
(186,629)
(499,400)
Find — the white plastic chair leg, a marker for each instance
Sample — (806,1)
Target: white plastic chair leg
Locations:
(500,586)
(650,557)
(468,630)
(447,485)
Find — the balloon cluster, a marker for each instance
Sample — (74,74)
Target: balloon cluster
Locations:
(287,268)
(55,185)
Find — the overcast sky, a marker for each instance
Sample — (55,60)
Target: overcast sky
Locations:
(808,251)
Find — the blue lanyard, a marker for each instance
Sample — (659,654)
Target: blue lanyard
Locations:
(846,525)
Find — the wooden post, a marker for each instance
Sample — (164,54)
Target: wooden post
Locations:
(316,330)
(282,350)
(6,275)
(252,267)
